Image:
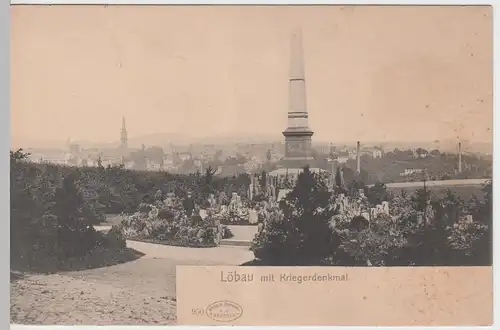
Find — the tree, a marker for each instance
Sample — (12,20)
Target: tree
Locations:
(429,241)
(453,207)
(354,186)
(403,194)
(29,189)
(99,163)
(482,246)
(382,244)
(377,193)
(435,153)
(92,184)
(338,178)
(420,199)
(207,187)
(263,179)
(348,175)
(302,235)
(76,235)
(420,152)
(129,195)
(18,156)
(209,175)
(487,215)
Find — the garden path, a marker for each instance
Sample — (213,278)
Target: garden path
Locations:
(139,292)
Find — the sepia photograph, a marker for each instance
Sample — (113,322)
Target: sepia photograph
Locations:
(292,144)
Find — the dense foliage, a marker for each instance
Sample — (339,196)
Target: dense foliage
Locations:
(421,229)
(113,190)
(167,222)
(439,166)
(300,232)
(51,216)
(54,208)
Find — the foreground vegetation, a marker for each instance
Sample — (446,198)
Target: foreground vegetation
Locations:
(166,222)
(54,208)
(51,220)
(308,230)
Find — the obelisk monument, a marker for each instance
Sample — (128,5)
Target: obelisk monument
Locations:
(298,134)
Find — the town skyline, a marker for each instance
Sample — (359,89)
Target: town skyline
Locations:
(229,77)
(164,139)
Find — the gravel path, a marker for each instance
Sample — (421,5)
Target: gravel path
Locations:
(139,292)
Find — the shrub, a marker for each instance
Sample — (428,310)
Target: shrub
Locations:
(260,198)
(380,245)
(377,193)
(176,230)
(145,208)
(226,232)
(166,214)
(114,238)
(51,213)
(359,223)
(300,234)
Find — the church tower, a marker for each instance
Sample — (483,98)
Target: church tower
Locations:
(123,138)
(298,134)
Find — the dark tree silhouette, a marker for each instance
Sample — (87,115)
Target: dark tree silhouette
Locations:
(304,235)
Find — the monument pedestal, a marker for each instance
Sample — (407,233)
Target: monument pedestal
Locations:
(298,152)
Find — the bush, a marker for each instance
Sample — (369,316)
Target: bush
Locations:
(359,223)
(114,238)
(172,227)
(226,232)
(51,215)
(377,194)
(145,208)
(300,233)
(379,245)
(166,214)
(116,190)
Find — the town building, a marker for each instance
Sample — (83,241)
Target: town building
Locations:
(411,171)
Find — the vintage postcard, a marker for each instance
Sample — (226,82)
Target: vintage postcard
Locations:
(251,165)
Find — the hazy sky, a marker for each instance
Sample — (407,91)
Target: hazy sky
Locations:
(372,73)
